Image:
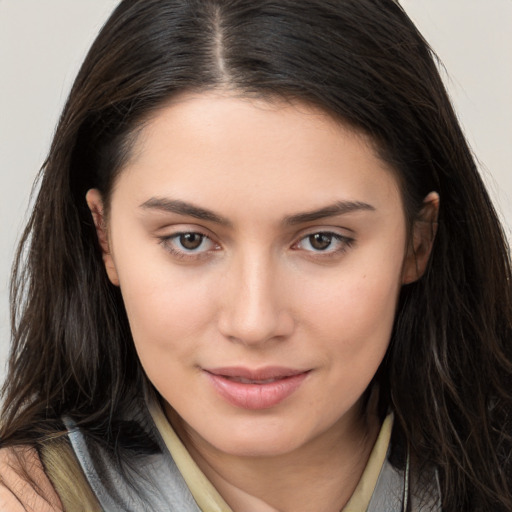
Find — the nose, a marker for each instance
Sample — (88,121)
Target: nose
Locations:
(254,305)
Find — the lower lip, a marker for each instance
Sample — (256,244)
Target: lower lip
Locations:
(256,396)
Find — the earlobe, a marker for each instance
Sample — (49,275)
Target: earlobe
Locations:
(422,240)
(95,204)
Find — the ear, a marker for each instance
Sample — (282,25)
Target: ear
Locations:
(95,203)
(422,239)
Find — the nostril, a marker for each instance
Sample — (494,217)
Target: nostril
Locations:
(256,329)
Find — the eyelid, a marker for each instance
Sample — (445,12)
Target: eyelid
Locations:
(166,241)
(345,240)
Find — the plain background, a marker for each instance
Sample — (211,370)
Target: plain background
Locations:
(42,43)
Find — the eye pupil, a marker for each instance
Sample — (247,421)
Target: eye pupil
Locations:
(191,241)
(320,241)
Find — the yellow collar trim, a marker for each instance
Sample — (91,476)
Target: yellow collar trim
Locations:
(208,498)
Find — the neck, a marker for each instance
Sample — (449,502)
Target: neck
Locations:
(325,471)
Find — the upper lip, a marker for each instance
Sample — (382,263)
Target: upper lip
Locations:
(268,372)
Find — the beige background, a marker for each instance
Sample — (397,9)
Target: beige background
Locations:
(42,43)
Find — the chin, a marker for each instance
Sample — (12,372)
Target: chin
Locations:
(258,440)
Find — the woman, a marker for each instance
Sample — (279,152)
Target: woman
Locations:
(262,273)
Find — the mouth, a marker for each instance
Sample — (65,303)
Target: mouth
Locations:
(260,375)
(253,381)
(256,389)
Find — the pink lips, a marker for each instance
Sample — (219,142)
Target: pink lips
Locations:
(255,389)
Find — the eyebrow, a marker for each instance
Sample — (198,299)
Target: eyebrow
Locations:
(188,209)
(338,208)
(184,208)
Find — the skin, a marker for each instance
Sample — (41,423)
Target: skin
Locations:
(257,291)
(19,493)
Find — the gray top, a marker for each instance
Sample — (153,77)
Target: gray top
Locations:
(152,482)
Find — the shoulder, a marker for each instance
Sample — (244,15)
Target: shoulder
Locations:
(24,484)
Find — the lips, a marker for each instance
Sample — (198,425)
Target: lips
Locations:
(253,381)
(256,389)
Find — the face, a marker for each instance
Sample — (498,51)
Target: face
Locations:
(260,249)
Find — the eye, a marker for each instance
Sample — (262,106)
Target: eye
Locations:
(320,241)
(191,241)
(188,244)
(324,242)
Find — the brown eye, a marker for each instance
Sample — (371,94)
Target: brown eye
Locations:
(320,241)
(190,245)
(191,241)
(324,243)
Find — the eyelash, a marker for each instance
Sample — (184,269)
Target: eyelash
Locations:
(167,244)
(344,243)
(183,254)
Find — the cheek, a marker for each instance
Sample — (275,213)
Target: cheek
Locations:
(360,297)
(166,308)
(353,331)
(354,315)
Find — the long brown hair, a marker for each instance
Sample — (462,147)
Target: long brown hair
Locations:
(448,371)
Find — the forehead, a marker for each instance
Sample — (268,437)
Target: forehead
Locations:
(213,147)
